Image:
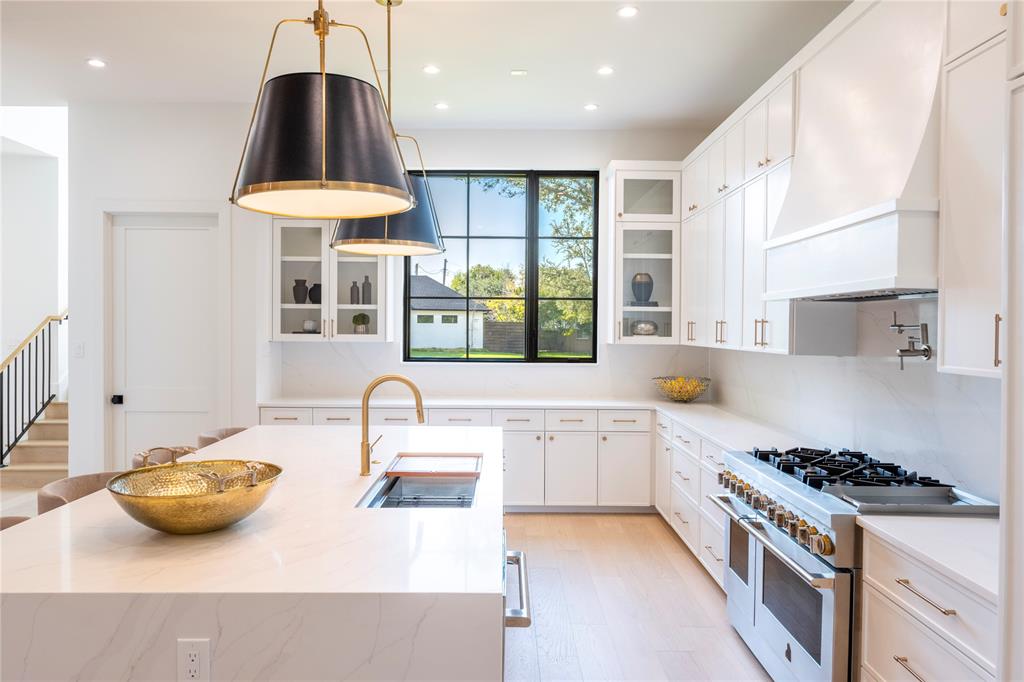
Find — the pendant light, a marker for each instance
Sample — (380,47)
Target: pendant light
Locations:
(321,145)
(413,233)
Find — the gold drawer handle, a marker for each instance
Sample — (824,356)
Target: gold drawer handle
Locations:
(396,419)
(905,664)
(623,421)
(339,419)
(520,421)
(680,475)
(571,421)
(712,553)
(460,419)
(286,419)
(683,439)
(997,362)
(905,582)
(1003,9)
(681,519)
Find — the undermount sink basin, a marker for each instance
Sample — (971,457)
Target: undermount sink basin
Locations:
(422,479)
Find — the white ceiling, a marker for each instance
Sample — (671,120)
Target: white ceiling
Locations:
(677,64)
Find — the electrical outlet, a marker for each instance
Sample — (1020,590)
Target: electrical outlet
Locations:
(194,660)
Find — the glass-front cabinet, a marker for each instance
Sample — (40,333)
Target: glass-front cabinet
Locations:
(647,283)
(647,195)
(320,294)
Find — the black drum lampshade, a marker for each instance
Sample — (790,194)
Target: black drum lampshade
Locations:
(282,171)
(413,233)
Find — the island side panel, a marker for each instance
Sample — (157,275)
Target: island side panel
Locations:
(254,636)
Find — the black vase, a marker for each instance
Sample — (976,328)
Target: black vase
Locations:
(367,290)
(643,287)
(300,291)
(314,293)
(353,294)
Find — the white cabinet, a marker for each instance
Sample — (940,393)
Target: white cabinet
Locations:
(624,470)
(286,416)
(970,234)
(1015,39)
(717,185)
(570,469)
(642,195)
(715,270)
(725,272)
(734,158)
(524,468)
(754,197)
(755,140)
(321,295)
(695,185)
(662,477)
(768,130)
(970,23)
(646,283)
(695,279)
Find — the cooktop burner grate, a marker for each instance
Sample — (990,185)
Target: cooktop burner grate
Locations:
(818,468)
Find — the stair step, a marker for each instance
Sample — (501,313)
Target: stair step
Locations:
(57,410)
(48,429)
(40,451)
(32,475)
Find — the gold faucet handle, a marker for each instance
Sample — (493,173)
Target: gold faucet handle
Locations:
(374,443)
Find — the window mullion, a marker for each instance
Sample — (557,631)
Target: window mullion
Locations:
(532,269)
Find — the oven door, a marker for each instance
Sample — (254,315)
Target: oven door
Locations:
(802,609)
(739,567)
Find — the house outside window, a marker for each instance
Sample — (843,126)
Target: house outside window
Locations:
(517,280)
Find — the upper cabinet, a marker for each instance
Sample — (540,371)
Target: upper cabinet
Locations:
(1014,39)
(646,283)
(647,196)
(717,185)
(734,170)
(321,295)
(695,280)
(970,220)
(768,131)
(969,23)
(695,186)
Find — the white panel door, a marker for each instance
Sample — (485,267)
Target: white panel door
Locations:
(715,273)
(753,263)
(734,157)
(732,265)
(624,470)
(755,140)
(780,124)
(716,170)
(695,281)
(1015,40)
(970,23)
(775,327)
(970,247)
(524,468)
(168,325)
(662,477)
(570,468)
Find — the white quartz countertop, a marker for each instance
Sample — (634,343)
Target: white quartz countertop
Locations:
(963,548)
(308,537)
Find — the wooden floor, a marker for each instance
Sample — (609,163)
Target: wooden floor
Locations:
(18,501)
(619,597)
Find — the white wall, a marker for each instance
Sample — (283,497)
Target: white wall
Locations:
(939,424)
(29,219)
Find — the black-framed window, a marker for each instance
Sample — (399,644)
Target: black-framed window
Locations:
(517,281)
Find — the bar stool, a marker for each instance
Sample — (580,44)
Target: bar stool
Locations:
(58,493)
(160,455)
(8,521)
(211,437)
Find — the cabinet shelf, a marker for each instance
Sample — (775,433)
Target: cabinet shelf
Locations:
(646,309)
(357,306)
(301,259)
(647,256)
(300,306)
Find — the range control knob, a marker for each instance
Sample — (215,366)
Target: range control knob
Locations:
(795,525)
(723,477)
(779,517)
(822,545)
(757,500)
(748,494)
(769,508)
(804,533)
(735,484)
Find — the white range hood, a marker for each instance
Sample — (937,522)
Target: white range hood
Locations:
(860,218)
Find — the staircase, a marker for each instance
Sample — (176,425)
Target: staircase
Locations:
(42,455)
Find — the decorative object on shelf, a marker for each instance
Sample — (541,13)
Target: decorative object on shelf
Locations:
(353,293)
(643,286)
(321,145)
(194,497)
(682,389)
(413,233)
(300,291)
(309,326)
(314,293)
(367,290)
(361,323)
(643,327)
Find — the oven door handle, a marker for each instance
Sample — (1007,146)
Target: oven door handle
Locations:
(519,618)
(815,580)
(724,502)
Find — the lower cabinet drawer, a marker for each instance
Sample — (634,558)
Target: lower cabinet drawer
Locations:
(570,420)
(663,425)
(337,416)
(686,473)
(896,646)
(624,420)
(460,418)
(686,439)
(283,416)
(518,420)
(712,549)
(394,416)
(959,615)
(685,520)
(712,455)
(709,486)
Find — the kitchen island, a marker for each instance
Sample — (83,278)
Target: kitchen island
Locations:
(310,586)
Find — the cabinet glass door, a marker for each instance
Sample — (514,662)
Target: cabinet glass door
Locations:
(646,284)
(358,296)
(648,195)
(301,281)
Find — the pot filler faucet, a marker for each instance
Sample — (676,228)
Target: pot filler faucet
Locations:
(912,350)
(365,448)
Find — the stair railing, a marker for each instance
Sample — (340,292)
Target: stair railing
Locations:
(26,383)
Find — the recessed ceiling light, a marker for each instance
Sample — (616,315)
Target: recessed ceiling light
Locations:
(605,71)
(96,63)
(628,12)
(441,106)
(590,107)
(517,72)
(431,70)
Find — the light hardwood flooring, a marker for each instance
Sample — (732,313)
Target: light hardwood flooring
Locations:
(18,501)
(619,597)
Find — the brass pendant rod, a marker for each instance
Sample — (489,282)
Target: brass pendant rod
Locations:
(321,26)
(430,196)
(259,95)
(390,99)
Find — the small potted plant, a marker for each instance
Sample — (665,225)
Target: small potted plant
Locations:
(361,323)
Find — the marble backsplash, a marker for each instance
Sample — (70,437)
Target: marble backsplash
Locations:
(939,424)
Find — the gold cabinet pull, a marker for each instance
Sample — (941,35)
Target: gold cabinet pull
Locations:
(712,553)
(905,582)
(755,333)
(286,419)
(724,328)
(681,519)
(339,419)
(996,362)
(680,475)
(905,664)
(1003,9)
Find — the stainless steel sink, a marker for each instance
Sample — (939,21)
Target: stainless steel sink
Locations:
(420,491)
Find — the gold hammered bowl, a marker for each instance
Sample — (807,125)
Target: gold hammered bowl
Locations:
(682,389)
(194,497)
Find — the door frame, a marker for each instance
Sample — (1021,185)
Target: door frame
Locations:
(222,213)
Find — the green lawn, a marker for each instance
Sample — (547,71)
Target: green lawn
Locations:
(483,354)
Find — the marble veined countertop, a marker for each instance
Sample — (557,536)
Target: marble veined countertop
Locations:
(308,537)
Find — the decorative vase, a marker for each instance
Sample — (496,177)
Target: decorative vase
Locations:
(643,327)
(300,291)
(309,326)
(367,290)
(353,294)
(643,287)
(361,329)
(314,293)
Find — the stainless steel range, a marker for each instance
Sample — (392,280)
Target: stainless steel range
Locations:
(792,551)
